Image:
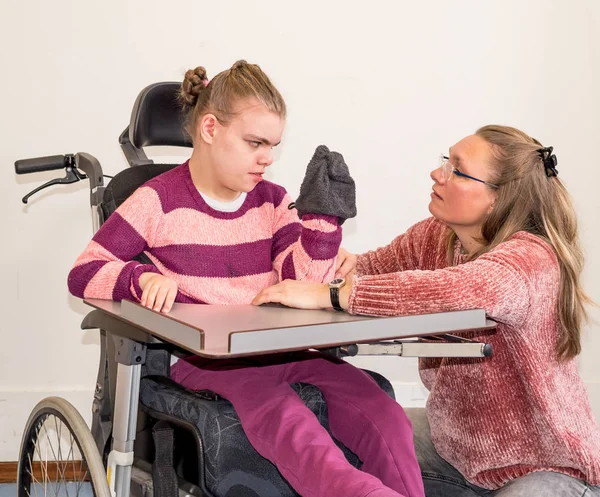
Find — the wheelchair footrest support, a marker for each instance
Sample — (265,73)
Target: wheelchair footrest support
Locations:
(117,464)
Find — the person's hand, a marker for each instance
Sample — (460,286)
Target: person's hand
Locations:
(297,294)
(158,292)
(345,264)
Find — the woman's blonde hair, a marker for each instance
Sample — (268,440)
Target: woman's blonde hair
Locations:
(530,200)
(219,96)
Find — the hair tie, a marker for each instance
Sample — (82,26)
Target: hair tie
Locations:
(549,160)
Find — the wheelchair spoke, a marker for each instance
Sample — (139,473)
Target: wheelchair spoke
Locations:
(79,482)
(82,482)
(34,480)
(58,460)
(78,479)
(66,462)
(82,465)
(55,456)
(43,461)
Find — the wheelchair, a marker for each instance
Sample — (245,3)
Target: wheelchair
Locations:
(185,440)
(149,435)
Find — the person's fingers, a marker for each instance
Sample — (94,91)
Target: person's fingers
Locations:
(347,266)
(269,294)
(161,294)
(345,263)
(145,288)
(261,298)
(170,299)
(152,290)
(342,255)
(144,278)
(144,296)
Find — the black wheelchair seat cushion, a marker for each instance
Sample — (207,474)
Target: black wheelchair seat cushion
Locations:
(232,467)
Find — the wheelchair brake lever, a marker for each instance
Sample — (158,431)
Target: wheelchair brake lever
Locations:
(72,176)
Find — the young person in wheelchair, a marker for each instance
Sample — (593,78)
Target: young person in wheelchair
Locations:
(216,232)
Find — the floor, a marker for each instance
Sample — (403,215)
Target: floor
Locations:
(10,490)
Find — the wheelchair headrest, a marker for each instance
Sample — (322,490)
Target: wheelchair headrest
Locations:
(156,118)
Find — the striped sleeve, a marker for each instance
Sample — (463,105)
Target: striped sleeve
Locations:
(304,250)
(106,269)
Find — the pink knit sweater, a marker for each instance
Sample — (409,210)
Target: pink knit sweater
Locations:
(503,417)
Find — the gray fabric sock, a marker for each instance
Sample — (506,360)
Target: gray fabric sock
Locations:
(327,187)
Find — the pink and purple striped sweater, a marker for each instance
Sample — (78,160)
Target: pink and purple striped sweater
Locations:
(215,257)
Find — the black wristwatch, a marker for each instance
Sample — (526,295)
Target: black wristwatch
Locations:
(334,292)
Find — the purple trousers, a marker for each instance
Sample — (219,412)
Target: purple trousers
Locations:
(284,431)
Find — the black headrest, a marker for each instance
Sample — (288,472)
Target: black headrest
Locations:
(157,119)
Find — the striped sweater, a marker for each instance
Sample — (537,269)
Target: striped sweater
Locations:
(498,418)
(215,257)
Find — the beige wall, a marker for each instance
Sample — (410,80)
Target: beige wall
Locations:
(390,84)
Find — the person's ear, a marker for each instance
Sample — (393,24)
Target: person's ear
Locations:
(207,128)
(493,199)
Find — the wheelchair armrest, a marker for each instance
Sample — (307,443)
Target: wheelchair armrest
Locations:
(113,325)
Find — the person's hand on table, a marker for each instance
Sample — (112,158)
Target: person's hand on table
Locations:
(302,295)
(158,292)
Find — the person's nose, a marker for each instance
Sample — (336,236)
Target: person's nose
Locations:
(437,176)
(266,158)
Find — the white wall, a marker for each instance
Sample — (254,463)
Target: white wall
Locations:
(390,84)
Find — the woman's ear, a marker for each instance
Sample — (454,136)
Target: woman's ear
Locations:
(493,198)
(206,128)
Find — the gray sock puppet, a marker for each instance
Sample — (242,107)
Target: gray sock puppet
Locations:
(327,187)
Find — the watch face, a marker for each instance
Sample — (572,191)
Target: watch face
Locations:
(338,282)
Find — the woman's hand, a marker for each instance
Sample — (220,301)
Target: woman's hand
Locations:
(345,264)
(158,292)
(298,294)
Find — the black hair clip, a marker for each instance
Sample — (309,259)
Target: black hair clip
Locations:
(550,161)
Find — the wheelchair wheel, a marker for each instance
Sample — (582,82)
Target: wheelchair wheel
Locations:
(58,454)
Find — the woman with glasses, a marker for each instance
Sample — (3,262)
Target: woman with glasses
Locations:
(502,237)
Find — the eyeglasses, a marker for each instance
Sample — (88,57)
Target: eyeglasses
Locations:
(448,170)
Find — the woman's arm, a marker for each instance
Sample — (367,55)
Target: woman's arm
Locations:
(497,282)
(404,253)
